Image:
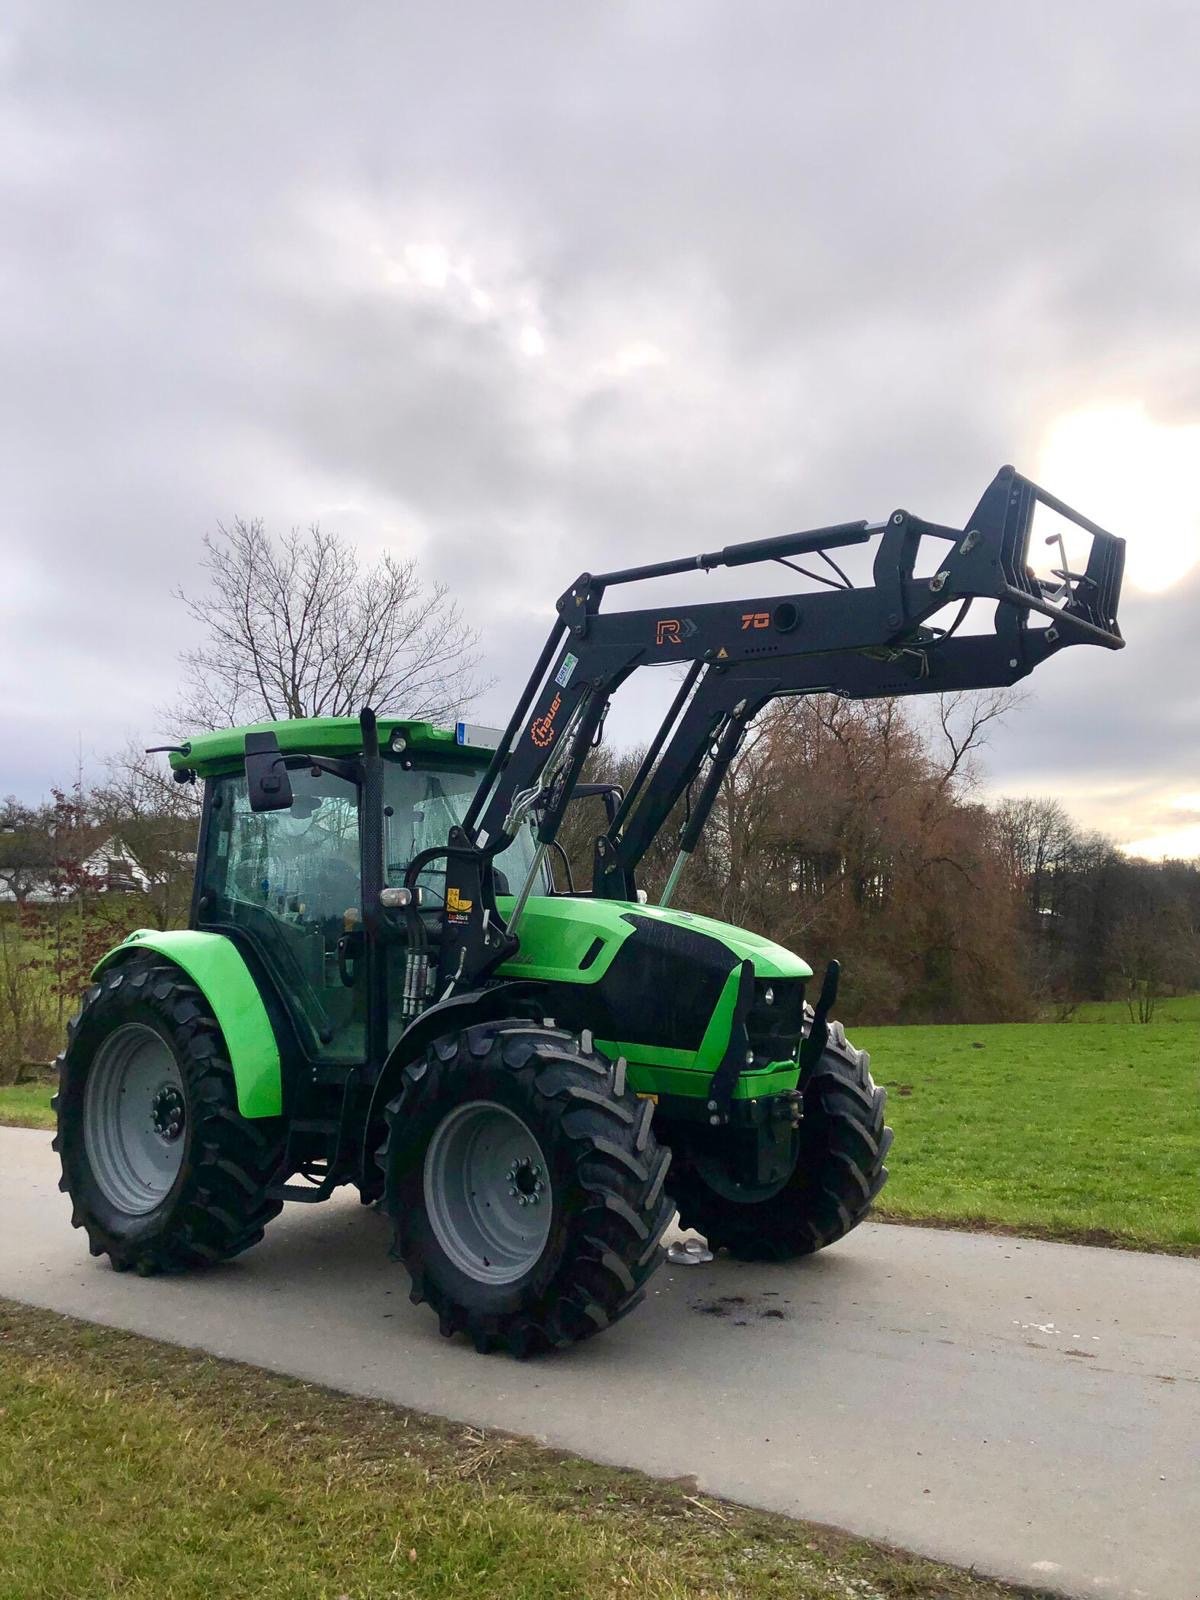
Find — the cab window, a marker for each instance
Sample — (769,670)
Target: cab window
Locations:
(290,882)
(421,806)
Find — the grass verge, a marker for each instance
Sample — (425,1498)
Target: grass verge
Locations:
(1084,1131)
(134,1468)
(26,1105)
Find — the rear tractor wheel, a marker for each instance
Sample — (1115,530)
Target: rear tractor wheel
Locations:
(525,1186)
(162,1171)
(840,1149)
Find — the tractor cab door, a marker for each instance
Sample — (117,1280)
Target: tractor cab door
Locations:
(423,801)
(288,885)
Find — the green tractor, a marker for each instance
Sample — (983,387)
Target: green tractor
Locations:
(381,986)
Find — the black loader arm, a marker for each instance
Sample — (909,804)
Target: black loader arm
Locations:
(860,643)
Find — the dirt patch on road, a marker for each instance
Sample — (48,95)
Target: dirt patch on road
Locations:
(742,1309)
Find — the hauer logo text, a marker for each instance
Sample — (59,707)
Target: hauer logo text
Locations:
(541,729)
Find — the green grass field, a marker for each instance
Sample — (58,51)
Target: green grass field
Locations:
(137,1469)
(1180,1008)
(26,1105)
(1081,1131)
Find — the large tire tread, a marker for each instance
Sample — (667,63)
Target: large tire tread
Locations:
(840,1169)
(611,1242)
(220,1203)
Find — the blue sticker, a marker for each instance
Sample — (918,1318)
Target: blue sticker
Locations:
(563,676)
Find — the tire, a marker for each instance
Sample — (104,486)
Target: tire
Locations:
(841,1146)
(162,1171)
(490,1126)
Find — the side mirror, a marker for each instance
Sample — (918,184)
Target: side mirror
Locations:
(610,793)
(269,786)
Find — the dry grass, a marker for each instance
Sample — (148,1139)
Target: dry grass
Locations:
(133,1468)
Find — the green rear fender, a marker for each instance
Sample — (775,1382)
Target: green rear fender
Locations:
(216,967)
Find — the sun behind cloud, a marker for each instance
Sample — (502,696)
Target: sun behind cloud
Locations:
(1136,477)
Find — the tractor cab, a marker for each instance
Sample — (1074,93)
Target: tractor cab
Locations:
(287,883)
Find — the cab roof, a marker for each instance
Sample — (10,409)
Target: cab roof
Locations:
(208,753)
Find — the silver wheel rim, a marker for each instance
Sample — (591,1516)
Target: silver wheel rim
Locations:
(134,1116)
(487,1192)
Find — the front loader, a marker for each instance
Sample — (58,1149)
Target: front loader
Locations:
(380,984)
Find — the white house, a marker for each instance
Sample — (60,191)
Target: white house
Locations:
(110,864)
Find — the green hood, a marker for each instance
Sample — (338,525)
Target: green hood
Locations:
(557,934)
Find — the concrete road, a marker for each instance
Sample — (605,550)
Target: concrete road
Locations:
(1030,1409)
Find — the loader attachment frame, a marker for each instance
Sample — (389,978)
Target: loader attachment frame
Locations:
(859,643)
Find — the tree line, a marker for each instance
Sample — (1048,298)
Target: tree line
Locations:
(842,828)
(856,830)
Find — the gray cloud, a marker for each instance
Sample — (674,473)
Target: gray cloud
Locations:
(527,289)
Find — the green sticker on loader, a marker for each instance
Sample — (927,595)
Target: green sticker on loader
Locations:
(563,676)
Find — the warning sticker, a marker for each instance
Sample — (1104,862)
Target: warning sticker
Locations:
(563,676)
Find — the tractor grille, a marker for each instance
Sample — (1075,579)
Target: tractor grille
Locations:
(775,1030)
(662,985)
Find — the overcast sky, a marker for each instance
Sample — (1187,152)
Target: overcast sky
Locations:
(522,289)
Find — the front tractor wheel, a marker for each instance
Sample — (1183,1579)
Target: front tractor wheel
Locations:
(525,1186)
(162,1171)
(840,1149)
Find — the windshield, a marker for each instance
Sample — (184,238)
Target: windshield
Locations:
(420,808)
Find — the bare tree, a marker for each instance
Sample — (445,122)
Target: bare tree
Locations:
(1143,947)
(1154,943)
(1034,834)
(296,627)
(26,848)
(964,718)
(156,820)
